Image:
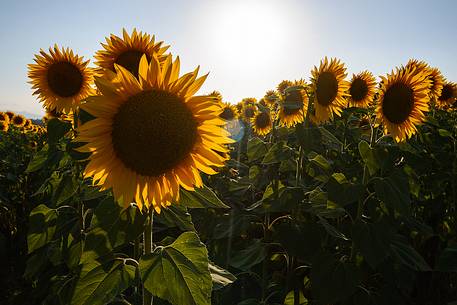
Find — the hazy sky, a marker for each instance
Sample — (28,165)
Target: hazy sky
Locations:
(248,46)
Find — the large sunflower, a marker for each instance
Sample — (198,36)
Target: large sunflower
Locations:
(18,120)
(448,95)
(403,100)
(329,89)
(127,51)
(283,85)
(229,112)
(61,79)
(151,135)
(262,123)
(362,89)
(293,108)
(437,80)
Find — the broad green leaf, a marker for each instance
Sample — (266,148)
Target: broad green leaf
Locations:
(372,240)
(38,160)
(290,299)
(332,280)
(447,261)
(202,197)
(331,229)
(277,153)
(319,161)
(176,216)
(249,256)
(343,192)
(42,225)
(56,130)
(374,158)
(406,255)
(179,272)
(256,149)
(101,284)
(67,187)
(220,276)
(394,192)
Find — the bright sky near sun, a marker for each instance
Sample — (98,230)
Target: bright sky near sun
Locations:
(248,46)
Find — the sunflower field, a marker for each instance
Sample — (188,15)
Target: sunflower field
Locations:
(136,190)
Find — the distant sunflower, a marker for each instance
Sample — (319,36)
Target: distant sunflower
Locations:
(127,51)
(10,114)
(283,85)
(434,74)
(249,101)
(61,79)
(329,89)
(448,95)
(217,95)
(28,124)
(4,126)
(248,111)
(271,97)
(229,112)
(362,89)
(18,120)
(4,117)
(403,100)
(262,123)
(151,136)
(415,64)
(293,108)
(239,107)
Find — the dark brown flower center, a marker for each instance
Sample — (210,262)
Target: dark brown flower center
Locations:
(358,89)
(398,103)
(249,112)
(64,79)
(153,131)
(227,114)
(131,60)
(292,100)
(447,93)
(327,88)
(17,120)
(262,120)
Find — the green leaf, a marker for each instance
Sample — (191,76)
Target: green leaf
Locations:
(56,130)
(67,187)
(176,216)
(394,192)
(112,226)
(447,262)
(374,159)
(100,284)
(343,192)
(333,280)
(331,229)
(372,240)
(179,272)
(277,153)
(38,160)
(319,161)
(220,276)
(444,133)
(249,256)
(406,255)
(202,197)
(290,299)
(42,226)
(256,149)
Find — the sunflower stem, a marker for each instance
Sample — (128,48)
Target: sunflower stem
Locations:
(148,299)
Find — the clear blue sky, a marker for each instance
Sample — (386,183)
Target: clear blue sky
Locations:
(248,46)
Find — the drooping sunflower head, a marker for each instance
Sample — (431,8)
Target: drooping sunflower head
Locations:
(262,123)
(151,135)
(271,97)
(362,89)
(249,101)
(4,117)
(283,85)
(448,95)
(330,89)
(128,50)
(4,126)
(437,82)
(415,64)
(61,79)
(403,101)
(10,114)
(229,112)
(18,120)
(293,107)
(217,95)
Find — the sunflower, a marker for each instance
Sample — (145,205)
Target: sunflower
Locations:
(248,111)
(18,120)
(127,51)
(61,79)
(283,85)
(362,89)
(229,112)
(262,123)
(4,117)
(329,89)
(28,124)
(10,115)
(416,64)
(293,108)
(271,97)
(151,135)
(4,126)
(434,74)
(448,95)
(403,99)
(249,101)
(217,95)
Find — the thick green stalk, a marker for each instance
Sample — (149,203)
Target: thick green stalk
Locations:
(147,238)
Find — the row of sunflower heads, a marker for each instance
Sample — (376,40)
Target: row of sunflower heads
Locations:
(10,119)
(149,134)
(399,101)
